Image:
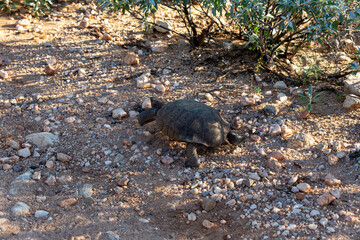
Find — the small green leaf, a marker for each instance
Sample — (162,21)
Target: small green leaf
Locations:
(309,107)
(318,95)
(310,90)
(301,94)
(303,99)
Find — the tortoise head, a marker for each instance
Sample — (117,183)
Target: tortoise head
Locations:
(156,103)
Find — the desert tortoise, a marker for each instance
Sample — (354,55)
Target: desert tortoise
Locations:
(192,122)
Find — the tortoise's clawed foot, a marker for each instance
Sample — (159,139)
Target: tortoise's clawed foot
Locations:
(192,164)
(192,156)
(234,139)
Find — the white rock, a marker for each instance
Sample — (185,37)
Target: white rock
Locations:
(231,202)
(313,226)
(103,100)
(254,176)
(62,157)
(25,152)
(20,29)
(70,119)
(274,129)
(162,26)
(314,213)
(81,72)
(293,179)
(87,190)
(109,235)
(336,193)
(323,221)
(118,113)
(253,206)
(282,97)
(352,84)
(14,145)
(143,81)
(280,85)
(304,187)
(160,88)
(146,104)
(143,220)
(42,140)
(23,22)
(207,224)
(341,154)
(41,213)
(344,58)
(192,217)
(296,211)
(36,28)
(351,102)
(217,190)
(36,176)
(20,209)
(4,74)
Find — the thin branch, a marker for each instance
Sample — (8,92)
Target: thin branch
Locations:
(142,18)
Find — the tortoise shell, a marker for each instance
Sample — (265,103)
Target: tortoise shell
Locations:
(193,122)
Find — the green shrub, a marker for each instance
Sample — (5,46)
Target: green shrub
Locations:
(284,26)
(184,8)
(37,6)
(354,20)
(271,27)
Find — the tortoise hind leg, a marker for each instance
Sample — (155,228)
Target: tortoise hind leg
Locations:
(234,139)
(192,156)
(147,116)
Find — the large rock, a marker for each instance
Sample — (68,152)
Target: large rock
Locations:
(331,180)
(7,227)
(352,84)
(280,85)
(351,102)
(20,209)
(300,140)
(42,140)
(158,46)
(132,59)
(207,204)
(118,113)
(162,26)
(325,199)
(25,152)
(22,185)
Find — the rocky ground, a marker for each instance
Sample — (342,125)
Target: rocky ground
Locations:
(75,164)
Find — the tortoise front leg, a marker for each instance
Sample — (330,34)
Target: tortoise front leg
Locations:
(234,139)
(147,116)
(192,156)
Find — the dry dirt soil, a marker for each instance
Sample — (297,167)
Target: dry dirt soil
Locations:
(115,185)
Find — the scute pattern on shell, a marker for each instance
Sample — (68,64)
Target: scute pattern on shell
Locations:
(192,122)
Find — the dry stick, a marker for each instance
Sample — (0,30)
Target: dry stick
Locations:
(192,25)
(205,12)
(182,17)
(142,19)
(288,38)
(218,23)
